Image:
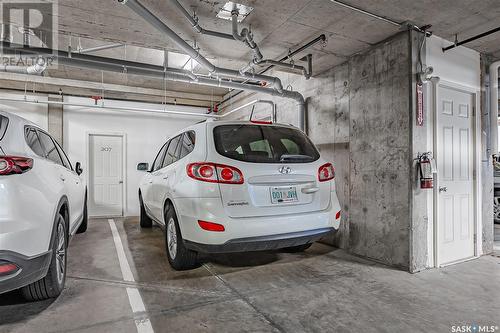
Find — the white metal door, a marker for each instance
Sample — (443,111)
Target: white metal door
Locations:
(106,175)
(455,161)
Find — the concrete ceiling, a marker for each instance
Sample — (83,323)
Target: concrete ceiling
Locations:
(278,26)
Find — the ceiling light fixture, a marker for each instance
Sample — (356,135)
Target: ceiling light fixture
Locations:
(243,11)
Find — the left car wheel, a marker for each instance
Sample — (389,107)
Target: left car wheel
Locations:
(179,256)
(53,283)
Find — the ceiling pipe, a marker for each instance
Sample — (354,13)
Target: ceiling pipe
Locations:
(99,48)
(142,11)
(307,72)
(114,65)
(118,108)
(196,25)
(245,36)
(255,101)
(406,24)
(494,111)
(320,38)
(71,59)
(37,69)
(468,40)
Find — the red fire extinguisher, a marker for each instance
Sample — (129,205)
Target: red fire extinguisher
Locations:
(426,170)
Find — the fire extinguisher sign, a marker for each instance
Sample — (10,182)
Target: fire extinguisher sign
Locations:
(420,105)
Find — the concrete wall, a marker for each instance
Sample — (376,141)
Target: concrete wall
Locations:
(358,116)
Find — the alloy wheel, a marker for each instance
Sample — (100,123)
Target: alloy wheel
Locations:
(171,238)
(61,251)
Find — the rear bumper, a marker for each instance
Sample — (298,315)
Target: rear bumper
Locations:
(262,243)
(250,233)
(31,269)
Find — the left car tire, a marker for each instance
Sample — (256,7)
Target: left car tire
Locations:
(53,283)
(179,256)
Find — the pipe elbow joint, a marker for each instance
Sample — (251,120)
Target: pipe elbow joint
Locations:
(278,85)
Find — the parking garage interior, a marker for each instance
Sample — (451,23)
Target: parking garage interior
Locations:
(378,87)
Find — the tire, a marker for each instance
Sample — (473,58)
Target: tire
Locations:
(85,222)
(179,257)
(298,248)
(145,220)
(53,283)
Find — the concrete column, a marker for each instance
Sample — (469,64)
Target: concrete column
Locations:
(55,115)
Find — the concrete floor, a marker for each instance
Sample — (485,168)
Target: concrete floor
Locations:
(322,290)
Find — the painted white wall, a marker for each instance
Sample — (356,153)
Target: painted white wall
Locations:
(460,66)
(36,113)
(145,133)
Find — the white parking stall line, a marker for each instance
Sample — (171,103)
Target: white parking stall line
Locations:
(134,297)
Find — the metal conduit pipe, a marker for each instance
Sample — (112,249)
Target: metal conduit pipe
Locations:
(255,101)
(181,76)
(196,25)
(36,69)
(142,11)
(321,38)
(99,48)
(307,72)
(118,108)
(65,58)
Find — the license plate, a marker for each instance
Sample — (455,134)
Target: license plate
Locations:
(283,194)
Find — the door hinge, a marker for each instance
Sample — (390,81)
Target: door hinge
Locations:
(474,175)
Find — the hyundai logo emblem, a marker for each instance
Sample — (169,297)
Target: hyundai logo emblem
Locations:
(285,169)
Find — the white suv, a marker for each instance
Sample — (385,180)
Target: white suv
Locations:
(224,186)
(43,203)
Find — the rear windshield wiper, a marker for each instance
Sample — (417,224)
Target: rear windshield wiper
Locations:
(291,158)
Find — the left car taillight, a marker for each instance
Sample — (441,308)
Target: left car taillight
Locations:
(215,173)
(7,268)
(12,165)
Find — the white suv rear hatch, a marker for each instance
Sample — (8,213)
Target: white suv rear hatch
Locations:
(280,169)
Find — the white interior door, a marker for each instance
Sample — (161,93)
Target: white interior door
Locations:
(106,175)
(455,161)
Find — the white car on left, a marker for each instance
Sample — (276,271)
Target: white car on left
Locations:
(42,204)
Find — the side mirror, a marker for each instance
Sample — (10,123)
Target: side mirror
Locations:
(143,167)
(78,168)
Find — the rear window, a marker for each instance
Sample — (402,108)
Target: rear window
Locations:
(4,121)
(264,144)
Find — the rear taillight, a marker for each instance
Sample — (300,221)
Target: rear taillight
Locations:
(326,172)
(215,173)
(10,165)
(7,268)
(210,226)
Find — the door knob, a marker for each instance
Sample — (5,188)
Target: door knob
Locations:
(120,182)
(443,189)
